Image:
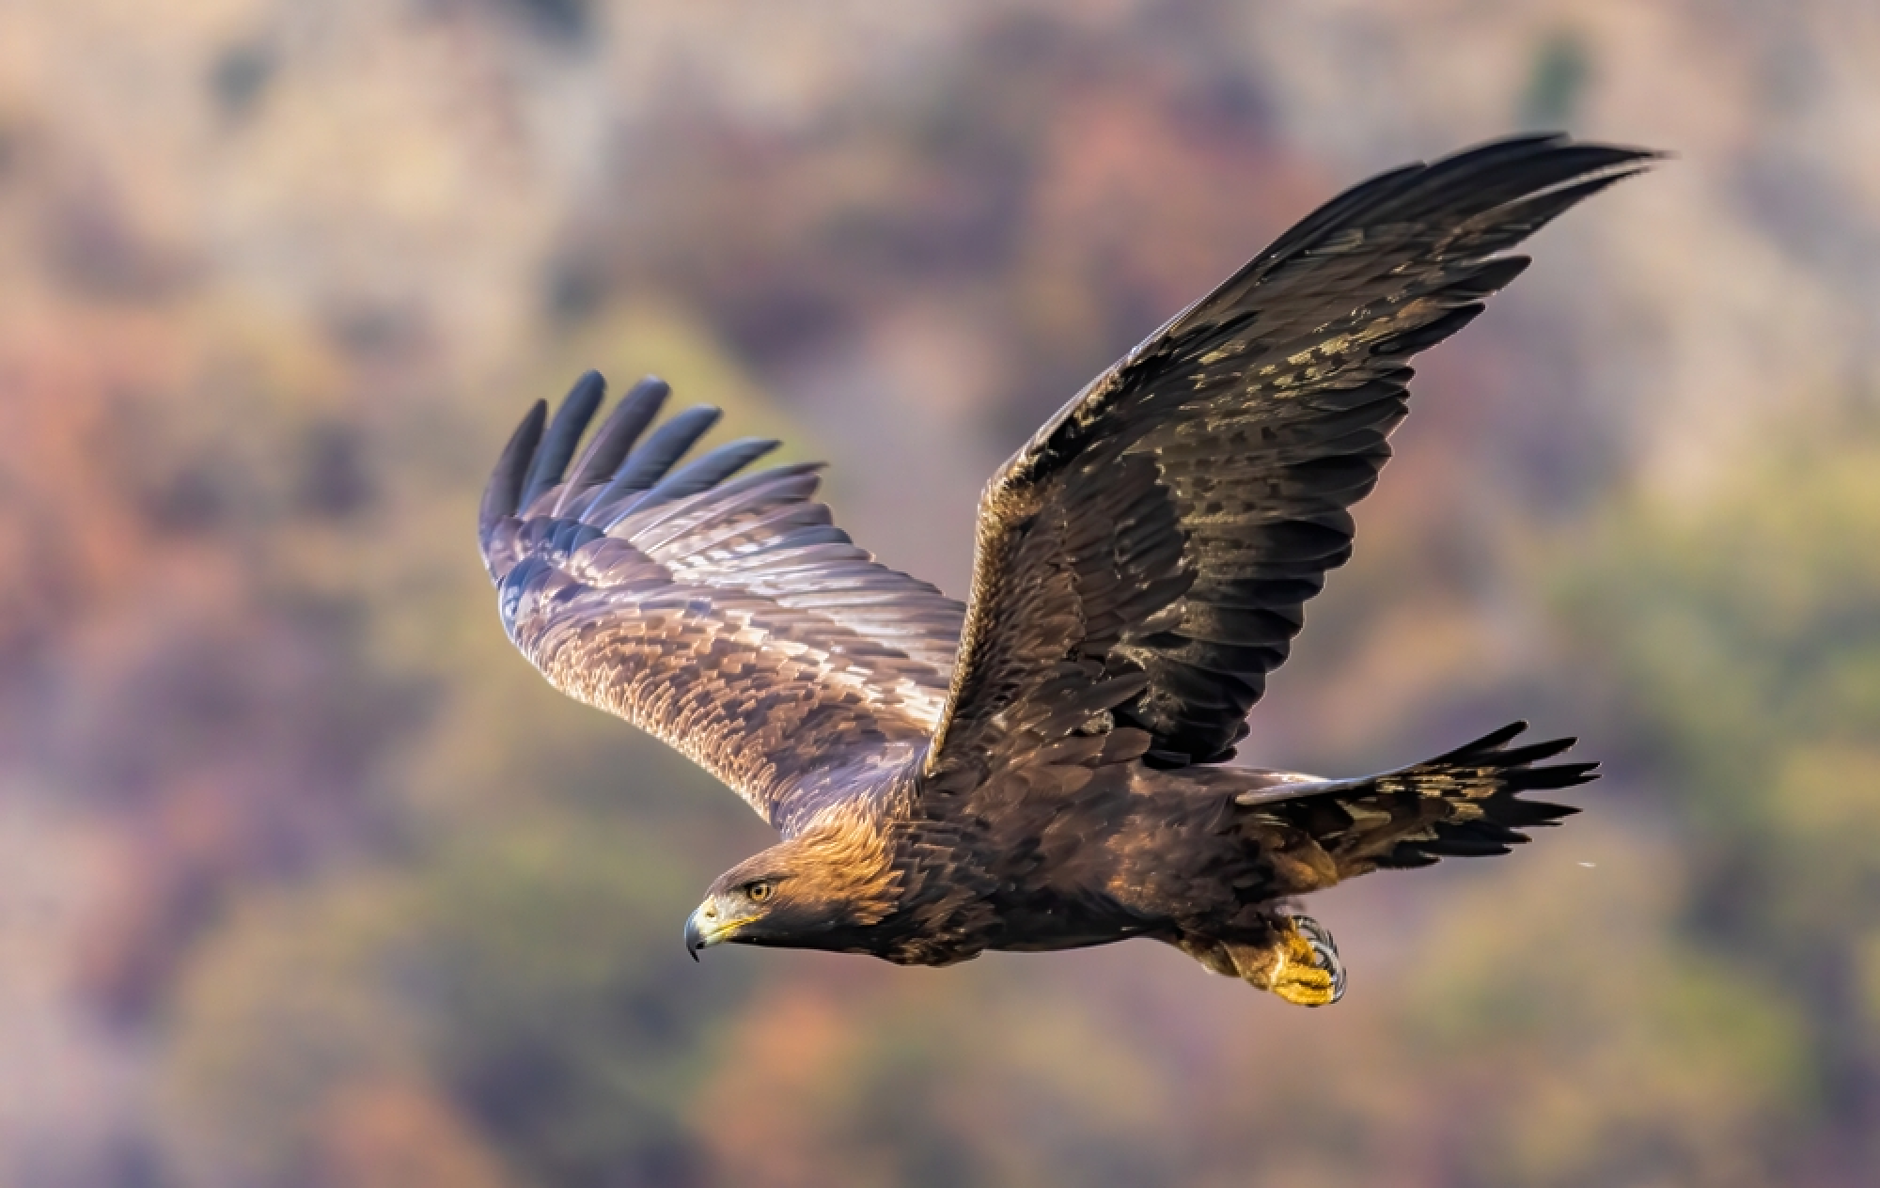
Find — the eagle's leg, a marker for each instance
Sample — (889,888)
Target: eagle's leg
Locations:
(1300,963)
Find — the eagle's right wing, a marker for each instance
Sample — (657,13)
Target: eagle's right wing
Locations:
(728,617)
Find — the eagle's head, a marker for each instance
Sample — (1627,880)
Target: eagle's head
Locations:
(812,891)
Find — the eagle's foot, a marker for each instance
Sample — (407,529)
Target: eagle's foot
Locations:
(1323,962)
(1301,965)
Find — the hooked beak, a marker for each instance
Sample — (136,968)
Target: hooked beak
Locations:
(707,927)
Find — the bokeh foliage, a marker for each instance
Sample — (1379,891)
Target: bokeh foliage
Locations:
(307,880)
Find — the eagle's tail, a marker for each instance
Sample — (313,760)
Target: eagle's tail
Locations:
(1462,804)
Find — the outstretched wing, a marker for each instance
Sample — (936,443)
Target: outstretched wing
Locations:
(1154,545)
(728,617)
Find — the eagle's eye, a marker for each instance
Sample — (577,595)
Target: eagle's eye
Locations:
(758,892)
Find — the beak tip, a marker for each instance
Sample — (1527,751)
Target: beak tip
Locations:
(694,937)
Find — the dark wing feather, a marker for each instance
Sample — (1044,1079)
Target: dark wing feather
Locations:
(1160,536)
(725,615)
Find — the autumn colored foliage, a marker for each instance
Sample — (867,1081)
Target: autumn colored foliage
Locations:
(307,880)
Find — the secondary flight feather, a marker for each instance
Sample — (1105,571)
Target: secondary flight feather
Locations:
(1040,768)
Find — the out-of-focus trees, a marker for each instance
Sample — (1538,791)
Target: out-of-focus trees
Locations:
(490,1007)
(1741,640)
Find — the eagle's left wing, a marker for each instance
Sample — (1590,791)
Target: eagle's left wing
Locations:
(729,617)
(1145,560)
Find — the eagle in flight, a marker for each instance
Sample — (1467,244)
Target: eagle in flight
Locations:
(1041,767)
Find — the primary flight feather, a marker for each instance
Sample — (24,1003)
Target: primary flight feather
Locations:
(1039,768)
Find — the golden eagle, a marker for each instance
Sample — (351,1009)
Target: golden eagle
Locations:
(1039,768)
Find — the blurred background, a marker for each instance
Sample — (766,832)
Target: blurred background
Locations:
(307,880)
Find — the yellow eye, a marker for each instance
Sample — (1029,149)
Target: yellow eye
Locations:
(757,892)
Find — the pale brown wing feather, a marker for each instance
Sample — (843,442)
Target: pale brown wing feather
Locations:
(1151,549)
(727,617)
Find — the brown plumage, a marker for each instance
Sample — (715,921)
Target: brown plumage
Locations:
(1039,769)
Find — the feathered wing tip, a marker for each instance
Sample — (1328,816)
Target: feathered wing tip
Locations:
(564,432)
(609,446)
(1497,193)
(1546,169)
(615,473)
(503,494)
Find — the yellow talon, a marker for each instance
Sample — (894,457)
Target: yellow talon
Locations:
(1298,977)
(1301,966)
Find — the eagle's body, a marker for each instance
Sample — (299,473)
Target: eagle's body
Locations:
(1038,768)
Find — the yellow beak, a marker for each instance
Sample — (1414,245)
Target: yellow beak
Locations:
(707,927)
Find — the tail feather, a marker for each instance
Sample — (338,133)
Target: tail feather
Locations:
(1466,803)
